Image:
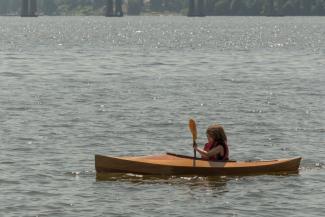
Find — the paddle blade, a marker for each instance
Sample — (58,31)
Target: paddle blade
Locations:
(192,126)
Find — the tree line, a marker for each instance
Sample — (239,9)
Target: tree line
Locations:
(138,7)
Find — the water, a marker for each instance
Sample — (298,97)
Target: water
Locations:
(72,87)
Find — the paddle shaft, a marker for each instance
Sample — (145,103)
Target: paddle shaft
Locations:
(194,149)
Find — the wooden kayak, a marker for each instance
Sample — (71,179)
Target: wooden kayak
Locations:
(173,164)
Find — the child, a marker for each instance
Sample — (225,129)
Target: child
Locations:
(216,148)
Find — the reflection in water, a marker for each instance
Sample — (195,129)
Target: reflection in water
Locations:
(191,181)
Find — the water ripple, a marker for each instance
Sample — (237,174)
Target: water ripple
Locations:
(72,87)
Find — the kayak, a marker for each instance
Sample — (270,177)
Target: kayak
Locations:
(174,164)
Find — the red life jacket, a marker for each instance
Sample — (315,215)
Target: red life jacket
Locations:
(209,146)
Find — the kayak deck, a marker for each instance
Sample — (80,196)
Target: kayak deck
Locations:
(173,164)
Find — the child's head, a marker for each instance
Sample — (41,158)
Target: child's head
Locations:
(216,134)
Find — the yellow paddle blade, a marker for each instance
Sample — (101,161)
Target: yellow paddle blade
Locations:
(192,126)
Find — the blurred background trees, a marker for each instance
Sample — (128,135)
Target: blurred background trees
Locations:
(137,7)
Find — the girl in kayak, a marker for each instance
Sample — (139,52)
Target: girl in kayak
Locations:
(216,148)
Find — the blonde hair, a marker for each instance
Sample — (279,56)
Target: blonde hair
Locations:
(218,134)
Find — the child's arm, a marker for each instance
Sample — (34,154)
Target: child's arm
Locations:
(212,152)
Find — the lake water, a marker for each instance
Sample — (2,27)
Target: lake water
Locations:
(73,87)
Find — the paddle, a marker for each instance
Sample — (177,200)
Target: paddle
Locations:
(192,126)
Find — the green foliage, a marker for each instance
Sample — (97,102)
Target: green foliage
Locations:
(213,7)
(134,7)
(156,5)
(9,6)
(222,7)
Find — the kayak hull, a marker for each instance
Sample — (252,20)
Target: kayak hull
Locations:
(172,164)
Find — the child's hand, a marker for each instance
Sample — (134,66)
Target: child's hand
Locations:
(194,146)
